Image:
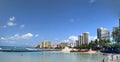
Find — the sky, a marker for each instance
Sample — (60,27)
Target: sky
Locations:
(29,22)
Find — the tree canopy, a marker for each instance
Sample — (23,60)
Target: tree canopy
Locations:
(116,35)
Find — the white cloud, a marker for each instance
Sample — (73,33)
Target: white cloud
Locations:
(2,38)
(36,35)
(12,18)
(11,24)
(70,39)
(22,26)
(27,36)
(65,41)
(93,38)
(17,37)
(73,38)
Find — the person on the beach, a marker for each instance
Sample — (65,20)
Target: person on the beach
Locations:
(103,60)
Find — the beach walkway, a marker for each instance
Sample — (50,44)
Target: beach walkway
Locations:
(112,58)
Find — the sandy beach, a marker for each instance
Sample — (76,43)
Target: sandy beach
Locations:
(90,52)
(66,49)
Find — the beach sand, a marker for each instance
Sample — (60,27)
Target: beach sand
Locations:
(90,51)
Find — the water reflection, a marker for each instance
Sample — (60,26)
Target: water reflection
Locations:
(48,57)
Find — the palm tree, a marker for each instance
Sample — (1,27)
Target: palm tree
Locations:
(116,35)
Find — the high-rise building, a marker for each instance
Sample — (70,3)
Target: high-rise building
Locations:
(46,44)
(77,43)
(80,40)
(103,34)
(115,37)
(86,37)
(83,39)
(116,33)
(119,22)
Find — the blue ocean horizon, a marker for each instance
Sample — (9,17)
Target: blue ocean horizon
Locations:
(14,47)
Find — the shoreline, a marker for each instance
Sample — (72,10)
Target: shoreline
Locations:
(89,52)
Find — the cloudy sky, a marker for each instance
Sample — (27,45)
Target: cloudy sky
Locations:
(28,22)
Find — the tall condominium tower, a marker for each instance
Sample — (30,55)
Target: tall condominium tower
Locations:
(46,44)
(116,33)
(86,37)
(119,22)
(103,34)
(80,40)
(83,39)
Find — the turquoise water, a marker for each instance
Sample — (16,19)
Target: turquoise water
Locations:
(48,57)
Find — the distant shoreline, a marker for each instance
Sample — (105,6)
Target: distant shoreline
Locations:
(39,50)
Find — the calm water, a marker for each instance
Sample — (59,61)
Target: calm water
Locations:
(48,57)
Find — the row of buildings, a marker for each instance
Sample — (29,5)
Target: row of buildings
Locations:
(102,34)
(84,38)
(48,44)
(45,44)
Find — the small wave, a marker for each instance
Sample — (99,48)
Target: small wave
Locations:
(30,49)
(0,48)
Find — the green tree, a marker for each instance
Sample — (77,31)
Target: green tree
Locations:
(116,35)
(84,46)
(101,43)
(104,42)
(92,44)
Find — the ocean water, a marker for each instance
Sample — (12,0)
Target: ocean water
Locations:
(48,57)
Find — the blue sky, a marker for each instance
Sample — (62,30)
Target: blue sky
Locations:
(28,22)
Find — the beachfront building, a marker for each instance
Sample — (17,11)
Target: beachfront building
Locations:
(62,45)
(83,39)
(72,44)
(116,33)
(77,43)
(80,40)
(54,46)
(86,38)
(46,44)
(103,34)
